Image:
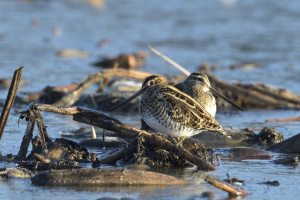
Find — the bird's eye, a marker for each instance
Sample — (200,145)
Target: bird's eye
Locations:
(151,83)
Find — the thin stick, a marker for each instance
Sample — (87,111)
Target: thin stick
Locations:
(225,186)
(113,157)
(182,69)
(10,99)
(151,138)
(94,136)
(99,119)
(284,120)
(72,97)
(41,158)
(26,139)
(40,123)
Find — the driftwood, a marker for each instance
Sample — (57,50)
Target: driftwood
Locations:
(256,96)
(33,115)
(72,97)
(271,183)
(290,145)
(127,61)
(113,157)
(60,149)
(101,120)
(284,120)
(10,99)
(266,137)
(15,172)
(42,158)
(246,153)
(41,166)
(247,96)
(151,138)
(44,137)
(70,94)
(290,160)
(109,142)
(103,177)
(27,138)
(231,189)
(49,94)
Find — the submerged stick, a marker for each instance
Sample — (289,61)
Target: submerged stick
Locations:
(72,111)
(94,135)
(113,157)
(99,119)
(26,139)
(40,123)
(231,189)
(155,140)
(10,99)
(88,177)
(284,120)
(72,97)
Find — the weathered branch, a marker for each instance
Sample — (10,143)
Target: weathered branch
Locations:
(251,98)
(225,186)
(73,97)
(247,95)
(155,140)
(167,59)
(10,99)
(113,157)
(73,110)
(284,120)
(101,120)
(40,123)
(27,138)
(104,177)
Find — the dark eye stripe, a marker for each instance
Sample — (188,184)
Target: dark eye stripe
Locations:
(149,78)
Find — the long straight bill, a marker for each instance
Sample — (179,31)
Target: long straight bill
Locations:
(129,99)
(225,98)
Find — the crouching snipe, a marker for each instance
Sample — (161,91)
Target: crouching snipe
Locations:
(169,111)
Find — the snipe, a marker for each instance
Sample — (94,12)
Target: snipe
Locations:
(197,85)
(167,110)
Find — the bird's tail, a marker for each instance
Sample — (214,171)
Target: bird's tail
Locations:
(224,133)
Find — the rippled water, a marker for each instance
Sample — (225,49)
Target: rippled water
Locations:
(215,32)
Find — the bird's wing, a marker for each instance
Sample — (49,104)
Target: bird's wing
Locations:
(185,110)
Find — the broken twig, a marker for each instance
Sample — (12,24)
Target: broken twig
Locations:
(99,119)
(104,177)
(231,189)
(284,120)
(10,99)
(27,138)
(182,69)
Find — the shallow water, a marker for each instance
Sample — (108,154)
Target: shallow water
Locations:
(213,32)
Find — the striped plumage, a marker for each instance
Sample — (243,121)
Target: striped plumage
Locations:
(197,85)
(167,110)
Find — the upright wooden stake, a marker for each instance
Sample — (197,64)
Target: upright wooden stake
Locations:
(10,99)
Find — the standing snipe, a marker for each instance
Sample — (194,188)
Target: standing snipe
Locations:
(197,85)
(167,110)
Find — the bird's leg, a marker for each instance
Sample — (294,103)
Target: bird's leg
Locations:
(103,138)
(178,140)
(144,126)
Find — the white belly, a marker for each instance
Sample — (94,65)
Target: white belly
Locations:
(169,128)
(211,110)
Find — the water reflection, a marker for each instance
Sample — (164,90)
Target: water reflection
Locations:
(220,33)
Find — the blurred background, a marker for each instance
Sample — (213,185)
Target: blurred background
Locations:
(246,41)
(220,33)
